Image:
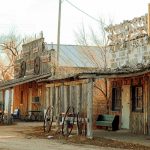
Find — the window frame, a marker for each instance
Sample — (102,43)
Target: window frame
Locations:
(136,98)
(116,98)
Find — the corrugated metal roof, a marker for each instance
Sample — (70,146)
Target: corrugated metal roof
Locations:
(78,56)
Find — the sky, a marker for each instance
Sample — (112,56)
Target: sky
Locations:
(29,17)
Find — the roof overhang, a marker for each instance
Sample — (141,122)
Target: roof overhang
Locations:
(19,81)
(110,75)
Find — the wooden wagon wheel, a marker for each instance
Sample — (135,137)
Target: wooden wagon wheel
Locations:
(23,69)
(68,121)
(81,124)
(37,65)
(48,119)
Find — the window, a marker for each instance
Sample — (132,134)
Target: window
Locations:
(137,98)
(116,98)
(36,99)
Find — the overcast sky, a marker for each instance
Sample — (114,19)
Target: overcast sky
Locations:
(28,17)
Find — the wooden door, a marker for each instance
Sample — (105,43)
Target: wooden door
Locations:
(125,119)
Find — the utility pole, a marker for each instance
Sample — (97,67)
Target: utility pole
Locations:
(58,32)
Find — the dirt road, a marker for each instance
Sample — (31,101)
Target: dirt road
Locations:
(14,138)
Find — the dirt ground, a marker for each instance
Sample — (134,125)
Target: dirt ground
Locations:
(97,141)
(30,136)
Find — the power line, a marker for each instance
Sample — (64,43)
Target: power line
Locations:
(82,11)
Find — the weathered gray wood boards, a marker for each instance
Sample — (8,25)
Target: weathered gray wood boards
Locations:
(78,94)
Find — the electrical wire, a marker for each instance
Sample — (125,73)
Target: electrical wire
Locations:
(83,11)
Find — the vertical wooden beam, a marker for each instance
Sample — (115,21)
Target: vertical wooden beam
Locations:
(148,107)
(8,99)
(83,97)
(65,98)
(12,100)
(3,99)
(90,109)
(145,104)
(51,96)
(47,98)
(62,99)
(70,95)
(30,101)
(57,106)
(57,96)
(148,20)
(78,98)
(78,102)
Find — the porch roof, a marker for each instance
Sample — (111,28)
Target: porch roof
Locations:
(108,73)
(59,77)
(14,82)
(118,72)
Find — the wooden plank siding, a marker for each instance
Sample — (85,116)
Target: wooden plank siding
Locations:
(25,93)
(139,121)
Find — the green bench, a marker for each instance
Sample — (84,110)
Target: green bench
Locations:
(105,120)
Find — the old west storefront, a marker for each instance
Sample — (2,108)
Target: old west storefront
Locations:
(28,91)
(33,64)
(128,92)
(130,99)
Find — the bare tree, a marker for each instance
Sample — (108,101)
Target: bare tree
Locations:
(9,50)
(99,56)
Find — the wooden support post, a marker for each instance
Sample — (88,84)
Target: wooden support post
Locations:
(57,106)
(51,96)
(62,98)
(145,90)
(58,94)
(65,98)
(78,103)
(30,101)
(47,98)
(8,100)
(78,99)
(70,95)
(148,106)
(148,20)
(90,109)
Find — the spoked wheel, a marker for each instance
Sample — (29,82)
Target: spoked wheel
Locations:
(48,119)
(68,121)
(81,124)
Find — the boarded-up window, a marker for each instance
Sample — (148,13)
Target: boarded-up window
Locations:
(116,98)
(137,98)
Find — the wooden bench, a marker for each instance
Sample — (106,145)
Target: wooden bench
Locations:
(106,120)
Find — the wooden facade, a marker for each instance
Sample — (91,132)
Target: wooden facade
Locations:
(25,95)
(134,102)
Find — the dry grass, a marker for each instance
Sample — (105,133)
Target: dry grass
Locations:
(37,132)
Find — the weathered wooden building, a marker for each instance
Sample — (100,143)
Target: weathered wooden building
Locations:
(39,82)
(129,76)
(33,68)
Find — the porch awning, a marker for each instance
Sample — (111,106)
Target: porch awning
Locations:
(14,82)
